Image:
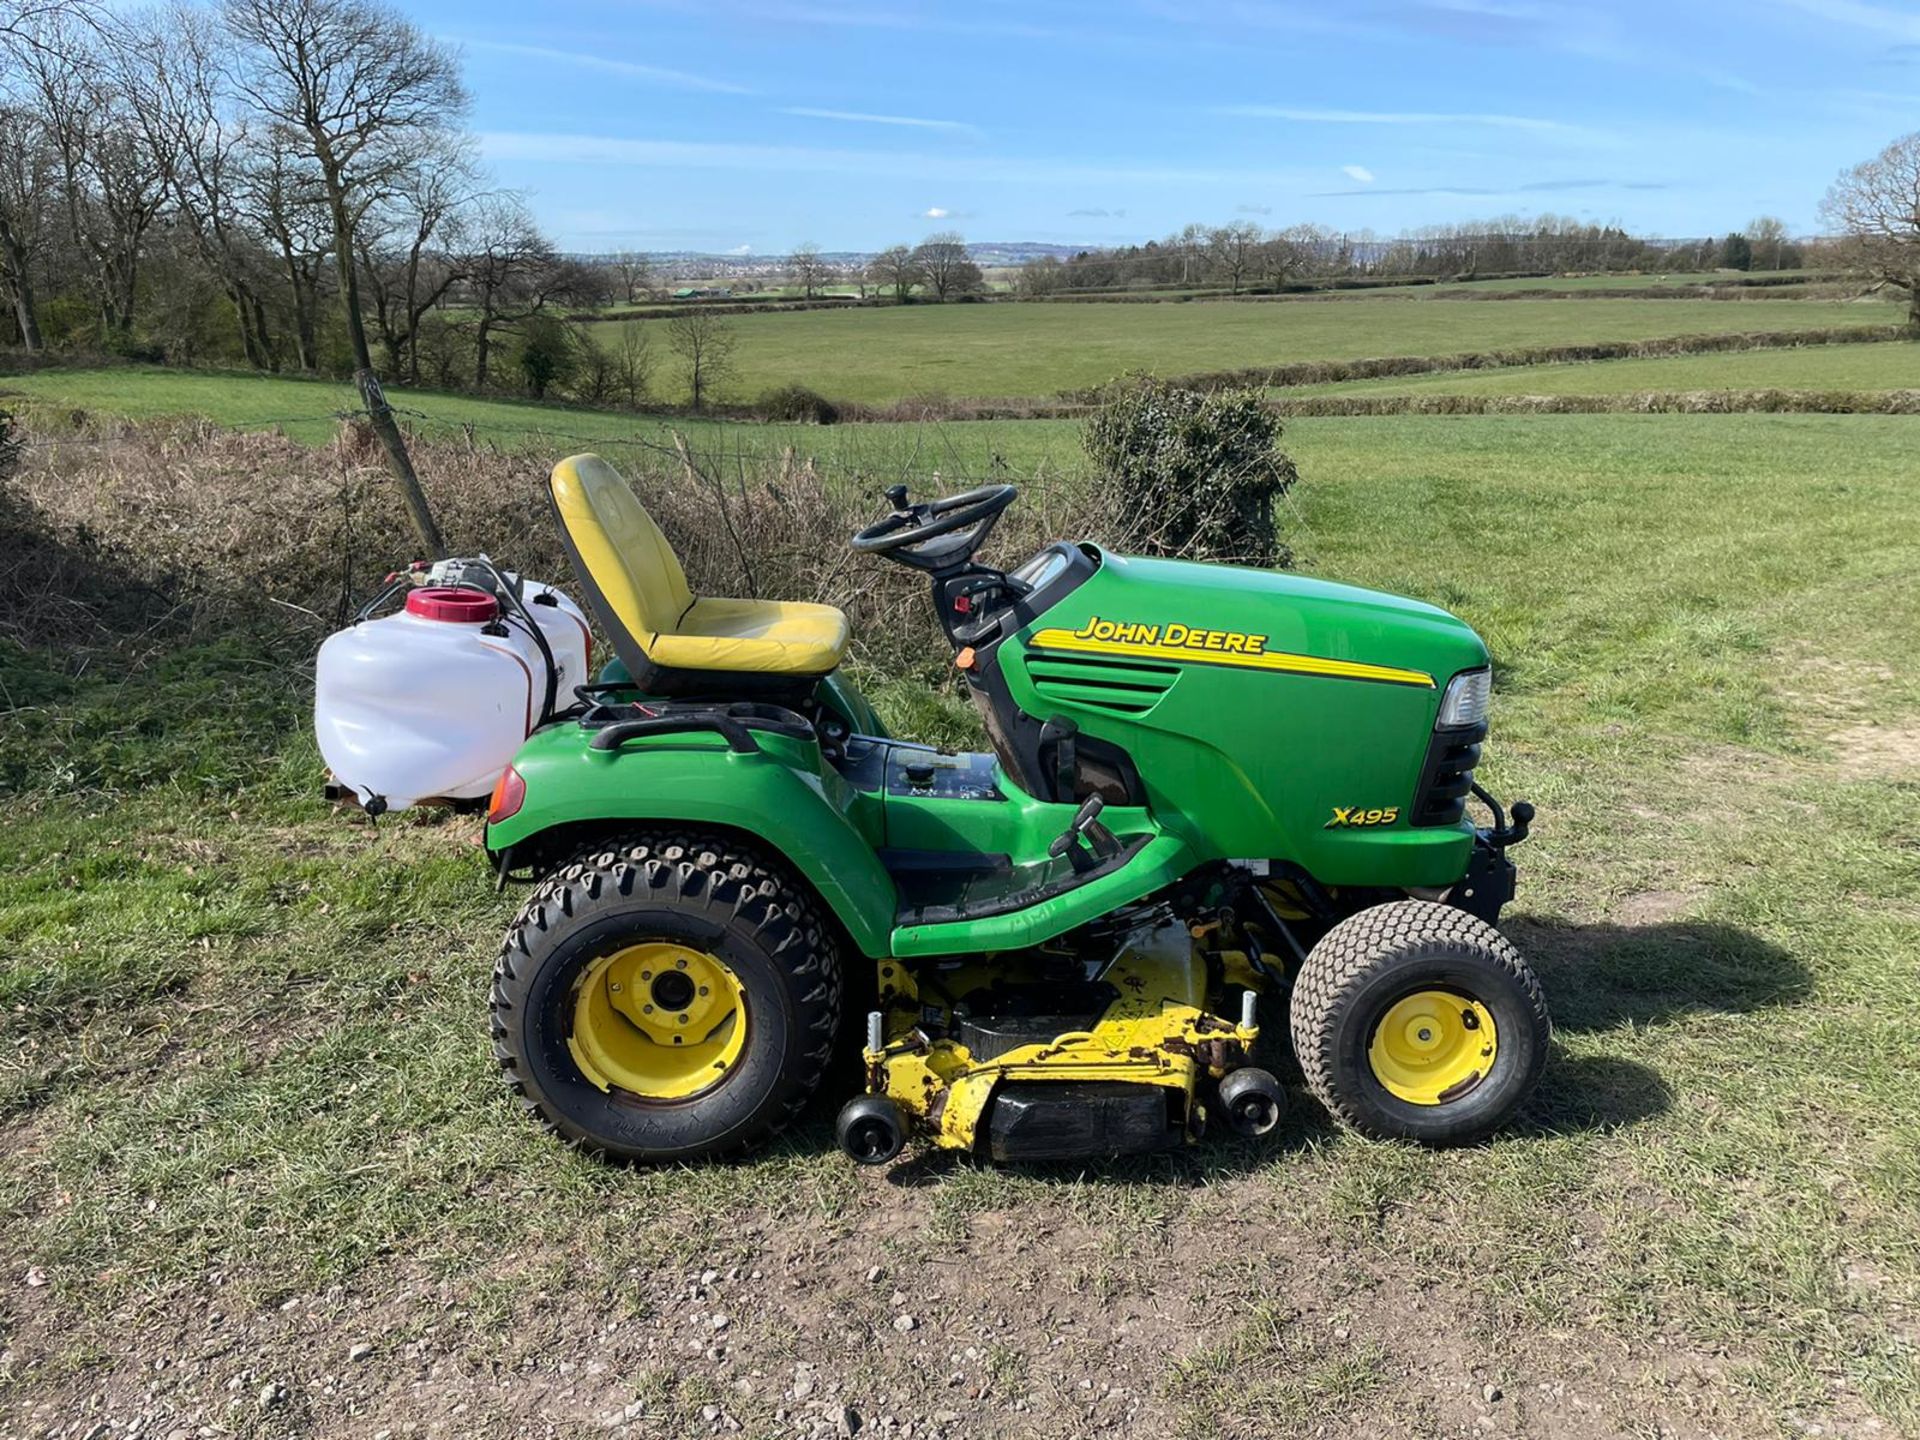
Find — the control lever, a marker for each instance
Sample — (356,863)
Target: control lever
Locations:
(897,497)
(1086,843)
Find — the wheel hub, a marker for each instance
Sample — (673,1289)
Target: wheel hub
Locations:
(658,1020)
(1432,1047)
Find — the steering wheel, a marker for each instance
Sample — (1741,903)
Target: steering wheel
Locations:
(910,534)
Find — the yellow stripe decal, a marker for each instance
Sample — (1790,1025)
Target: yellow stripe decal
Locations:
(1275,660)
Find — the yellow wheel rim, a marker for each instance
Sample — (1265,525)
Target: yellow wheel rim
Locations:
(1432,1047)
(659,1021)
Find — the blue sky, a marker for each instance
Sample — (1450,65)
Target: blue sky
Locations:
(757,124)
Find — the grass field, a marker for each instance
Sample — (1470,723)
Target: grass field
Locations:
(998,351)
(262,1178)
(1891,366)
(305,410)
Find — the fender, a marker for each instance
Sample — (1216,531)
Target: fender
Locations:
(782,798)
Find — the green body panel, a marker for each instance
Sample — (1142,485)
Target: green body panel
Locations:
(1251,763)
(1163,860)
(843,697)
(837,693)
(1022,828)
(1238,759)
(785,796)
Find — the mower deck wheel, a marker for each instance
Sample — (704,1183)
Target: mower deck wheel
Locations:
(1417,1021)
(1252,1101)
(668,997)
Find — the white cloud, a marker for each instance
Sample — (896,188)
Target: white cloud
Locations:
(1388,117)
(1902,25)
(1049,172)
(1357,172)
(935,212)
(741,250)
(680,79)
(859,117)
(886,18)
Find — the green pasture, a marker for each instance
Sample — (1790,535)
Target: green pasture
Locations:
(877,356)
(1893,365)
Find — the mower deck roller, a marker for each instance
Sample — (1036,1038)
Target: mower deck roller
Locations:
(1209,792)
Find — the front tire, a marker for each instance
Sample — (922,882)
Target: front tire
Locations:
(1417,1021)
(670,998)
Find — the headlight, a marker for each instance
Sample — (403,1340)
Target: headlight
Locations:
(1465,703)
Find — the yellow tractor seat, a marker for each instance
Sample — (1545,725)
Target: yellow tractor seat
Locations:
(672,641)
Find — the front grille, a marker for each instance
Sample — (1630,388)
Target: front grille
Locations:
(1446,778)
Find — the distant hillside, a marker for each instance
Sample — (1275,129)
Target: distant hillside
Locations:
(985,252)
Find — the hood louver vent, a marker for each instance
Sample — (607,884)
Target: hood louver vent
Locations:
(1122,689)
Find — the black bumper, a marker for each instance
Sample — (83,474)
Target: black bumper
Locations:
(1490,881)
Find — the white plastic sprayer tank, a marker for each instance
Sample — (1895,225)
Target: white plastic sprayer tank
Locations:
(430,703)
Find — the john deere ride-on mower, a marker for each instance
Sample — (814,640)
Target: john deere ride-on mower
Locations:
(1212,791)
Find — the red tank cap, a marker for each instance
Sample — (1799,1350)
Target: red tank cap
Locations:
(444,602)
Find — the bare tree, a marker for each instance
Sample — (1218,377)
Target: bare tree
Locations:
(1042,275)
(25,24)
(512,273)
(809,271)
(111,187)
(283,200)
(170,66)
(26,187)
(895,269)
(407,248)
(636,275)
(949,271)
(362,92)
(1190,244)
(1232,251)
(704,342)
(633,362)
(1876,205)
(1767,238)
(1276,259)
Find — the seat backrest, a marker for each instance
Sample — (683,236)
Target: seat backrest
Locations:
(633,579)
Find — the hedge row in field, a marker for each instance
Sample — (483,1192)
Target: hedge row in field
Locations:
(1641,402)
(1327,372)
(1706,290)
(1742,287)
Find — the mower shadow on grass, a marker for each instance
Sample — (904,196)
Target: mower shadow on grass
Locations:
(1604,976)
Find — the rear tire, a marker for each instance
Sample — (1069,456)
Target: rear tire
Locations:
(1417,1021)
(745,923)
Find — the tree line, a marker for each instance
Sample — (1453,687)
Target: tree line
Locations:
(1247,256)
(284,183)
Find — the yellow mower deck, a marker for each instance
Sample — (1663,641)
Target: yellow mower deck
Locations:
(1157,1032)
